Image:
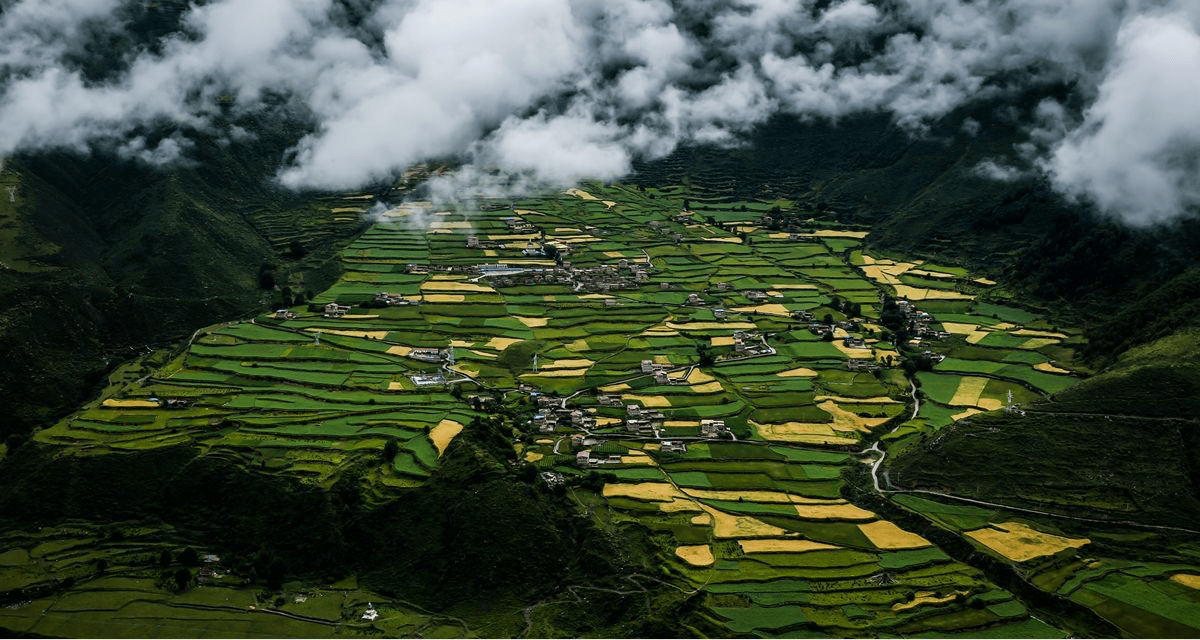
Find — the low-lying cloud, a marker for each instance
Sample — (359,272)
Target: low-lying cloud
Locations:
(561,90)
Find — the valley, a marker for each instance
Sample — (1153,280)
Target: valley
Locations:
(715,379)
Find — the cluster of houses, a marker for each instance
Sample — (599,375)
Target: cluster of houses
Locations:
(750,344)
(394,299)
(643,422)
(417,268)
(551,413)
(920,322)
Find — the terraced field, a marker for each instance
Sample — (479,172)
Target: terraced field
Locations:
(671,357)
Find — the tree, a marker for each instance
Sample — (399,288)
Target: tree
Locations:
(183,577)
(390,449)
(188,557)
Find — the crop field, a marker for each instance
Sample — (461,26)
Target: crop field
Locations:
(711,413)
(123,588)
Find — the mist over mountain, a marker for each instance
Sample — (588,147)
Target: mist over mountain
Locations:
(560,90)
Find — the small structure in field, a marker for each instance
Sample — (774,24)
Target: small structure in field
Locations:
(335,310)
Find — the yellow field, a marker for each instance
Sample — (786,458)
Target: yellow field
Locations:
(613,388)
(1039,334)
(681,423)
(1037,343)
(886,271)
(500,344)
(555,373)
(570,363)
(718,239)
(443,433)
(1187,579)
(965,414)
(833,512)
(775,309)
(651,491)
(351,316)
(844,420)
(348,210)
(377,335)
(730,526)
(967,394)
(455,285)
(722,341)
(696,376)
(1021,543)
(533,456)
(932,274)
(886,535)
(858,353)
(587,196)
(1049,368)
(395,386)
(804,432)
(793,285)
(399,350)
(923,597)
(698,555)
(708,387)
(801,372)
(647,401)
(532,322)
(972,331)
(920,293)
(443,297)
(787,545)
(129,404)
(450,224)
(637,457)
(985,282)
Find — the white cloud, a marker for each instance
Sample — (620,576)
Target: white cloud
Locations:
(564,89)
(1137,152)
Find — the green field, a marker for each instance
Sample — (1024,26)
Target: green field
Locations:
(754,518)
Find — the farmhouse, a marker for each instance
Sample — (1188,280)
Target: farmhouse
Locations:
(857,364)
(852,342)
(720,314)
(427,380)
(670,446)
(284,314)
(713,428)
(608,401)
(335,310)
(370,615)
(756,296)
(427,355)
(391,299)
(694,298)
